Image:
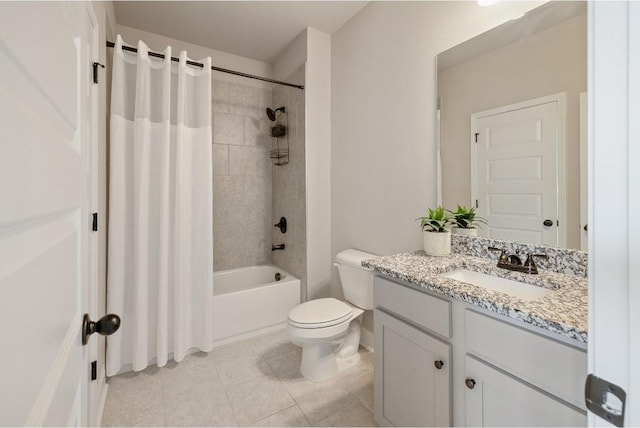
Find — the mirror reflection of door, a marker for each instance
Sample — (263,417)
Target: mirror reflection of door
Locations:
(517,186)
(542,53)
(584,194)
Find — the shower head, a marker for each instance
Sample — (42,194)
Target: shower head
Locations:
(271,114)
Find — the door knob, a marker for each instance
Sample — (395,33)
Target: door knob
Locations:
(105,326)
(548,223)
(438,364)
(471,383)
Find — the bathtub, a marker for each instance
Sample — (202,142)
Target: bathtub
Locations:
(249,301)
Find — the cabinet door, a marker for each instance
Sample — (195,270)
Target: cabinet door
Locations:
(409,388)
(498,399)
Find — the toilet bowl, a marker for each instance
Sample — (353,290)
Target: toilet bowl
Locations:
(328,329)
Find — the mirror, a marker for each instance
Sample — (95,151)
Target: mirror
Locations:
(512,126)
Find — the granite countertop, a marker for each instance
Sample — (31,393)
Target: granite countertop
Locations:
(563,311)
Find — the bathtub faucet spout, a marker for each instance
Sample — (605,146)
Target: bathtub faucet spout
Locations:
(277,247)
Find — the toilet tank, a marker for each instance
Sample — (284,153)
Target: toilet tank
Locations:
(357,281)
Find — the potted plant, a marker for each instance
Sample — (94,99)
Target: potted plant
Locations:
(437,239)
(466,220)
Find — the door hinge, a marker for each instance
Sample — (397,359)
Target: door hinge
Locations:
(557,222)
(94,370)
(477,134)
(95,71)
(476,203)
(605,399)
(94,222)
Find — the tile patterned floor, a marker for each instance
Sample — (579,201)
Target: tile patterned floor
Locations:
(255,382)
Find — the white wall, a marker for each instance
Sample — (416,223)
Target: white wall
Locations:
(318,160)
(382,115)
(291,57)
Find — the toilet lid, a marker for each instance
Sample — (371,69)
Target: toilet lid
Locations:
(320,313)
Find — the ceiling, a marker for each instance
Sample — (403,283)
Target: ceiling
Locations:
(254,29)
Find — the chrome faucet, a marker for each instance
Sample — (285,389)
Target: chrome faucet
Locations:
(514,262)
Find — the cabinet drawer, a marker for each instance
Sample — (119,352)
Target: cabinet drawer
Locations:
(420,308)
(552,366)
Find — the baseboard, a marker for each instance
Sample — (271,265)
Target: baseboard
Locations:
(102,399)
(366,339)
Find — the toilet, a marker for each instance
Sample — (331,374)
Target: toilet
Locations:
(328,330)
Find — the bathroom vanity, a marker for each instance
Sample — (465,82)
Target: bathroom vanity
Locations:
(449,352)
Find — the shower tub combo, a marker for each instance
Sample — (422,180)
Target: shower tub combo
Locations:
(251,300)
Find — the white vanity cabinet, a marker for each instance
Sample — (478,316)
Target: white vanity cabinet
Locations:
(516,377)
(412,373)
(495,372)
(495,398)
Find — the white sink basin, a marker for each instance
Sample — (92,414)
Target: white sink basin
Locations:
(513,288)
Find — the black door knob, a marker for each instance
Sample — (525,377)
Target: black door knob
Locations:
(585,227)
(471,383)
(438,364)
(105,326)
(548,223)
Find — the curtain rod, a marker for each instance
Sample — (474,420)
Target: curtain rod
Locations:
(222,70)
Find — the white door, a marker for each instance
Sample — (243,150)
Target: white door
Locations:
(44,213)
(614,195)
(515,171)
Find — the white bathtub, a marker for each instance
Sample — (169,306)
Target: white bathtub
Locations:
(249,301)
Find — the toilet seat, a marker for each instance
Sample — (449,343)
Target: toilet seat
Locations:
(320,313)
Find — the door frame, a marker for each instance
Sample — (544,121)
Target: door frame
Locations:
(614,187)
(93,388)
(561,177)
(584,187)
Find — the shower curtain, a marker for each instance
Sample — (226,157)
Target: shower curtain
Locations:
(160,256)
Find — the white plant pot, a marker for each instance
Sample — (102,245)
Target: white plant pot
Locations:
(464,231)
(437,243)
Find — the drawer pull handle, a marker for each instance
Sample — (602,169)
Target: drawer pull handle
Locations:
(470,383)
(438,364)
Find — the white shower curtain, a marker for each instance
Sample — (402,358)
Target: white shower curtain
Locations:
(160,257)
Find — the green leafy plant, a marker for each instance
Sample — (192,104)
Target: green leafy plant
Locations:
(435,220)
(466,218)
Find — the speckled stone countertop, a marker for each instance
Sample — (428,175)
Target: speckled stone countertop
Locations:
(563,311)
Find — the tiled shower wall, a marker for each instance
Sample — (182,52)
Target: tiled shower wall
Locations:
(289,184)
(242,220)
